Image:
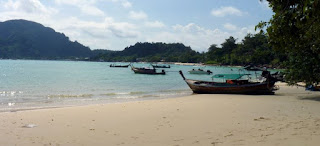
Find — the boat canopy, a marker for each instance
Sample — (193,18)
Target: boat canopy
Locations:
(229,76)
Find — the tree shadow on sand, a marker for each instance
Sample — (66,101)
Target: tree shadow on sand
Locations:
(313,97)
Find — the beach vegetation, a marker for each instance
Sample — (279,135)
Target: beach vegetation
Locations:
(294,30)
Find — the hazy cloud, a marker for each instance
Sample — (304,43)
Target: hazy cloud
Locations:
(124,3)
(155,24)
(137,15)
(229,26)
(86,6)
(223,11)
(91,10)
(121,29)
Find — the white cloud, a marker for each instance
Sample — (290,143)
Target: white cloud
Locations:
(28,6)
(229,26)
(32,10)
(126,4)
(155,24)
(121,29)
(223,11)
(76,2)
(137,15)
(91,10)
(86,6)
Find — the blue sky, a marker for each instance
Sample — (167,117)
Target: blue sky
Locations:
(116,24)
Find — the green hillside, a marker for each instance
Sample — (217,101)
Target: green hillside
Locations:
(22,39)
(152,52)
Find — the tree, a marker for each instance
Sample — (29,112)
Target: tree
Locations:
(294,30)
(229,44)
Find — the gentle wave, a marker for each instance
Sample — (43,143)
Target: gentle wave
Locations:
(123,93)
(135,97)
(174,91)
(70,96)
(10,93)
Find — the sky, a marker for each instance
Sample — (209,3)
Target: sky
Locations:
(116,24)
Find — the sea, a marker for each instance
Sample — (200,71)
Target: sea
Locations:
(35,84)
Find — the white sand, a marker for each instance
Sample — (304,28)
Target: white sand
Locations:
(289,118)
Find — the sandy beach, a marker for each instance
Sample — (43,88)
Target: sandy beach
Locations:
(289,118)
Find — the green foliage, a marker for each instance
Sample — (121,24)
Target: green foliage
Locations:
(294,30)
(253,49)
(153,52)
(29,40)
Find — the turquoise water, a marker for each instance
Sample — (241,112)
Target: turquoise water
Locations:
(28,84)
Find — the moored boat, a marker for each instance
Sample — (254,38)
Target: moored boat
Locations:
(144,70)
(114,65)
(200,71)
(233,85)
(161,66)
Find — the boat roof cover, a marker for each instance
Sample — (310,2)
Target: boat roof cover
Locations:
(229,76)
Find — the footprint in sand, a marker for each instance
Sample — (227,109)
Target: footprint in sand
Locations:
(261,119)
(178,139)
(215,142)
(228,135)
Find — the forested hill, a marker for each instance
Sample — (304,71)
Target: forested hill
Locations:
(152,52)
(253,49)
(22,39)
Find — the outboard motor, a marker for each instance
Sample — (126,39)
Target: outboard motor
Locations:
(265,74)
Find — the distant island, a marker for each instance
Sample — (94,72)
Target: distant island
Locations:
(22,39)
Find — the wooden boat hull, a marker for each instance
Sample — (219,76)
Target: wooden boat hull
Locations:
(147,71)
(121,66)
(231,86)
(159,66)
(199,72)
(203,87)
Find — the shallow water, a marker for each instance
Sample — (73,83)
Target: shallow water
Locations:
(28,84)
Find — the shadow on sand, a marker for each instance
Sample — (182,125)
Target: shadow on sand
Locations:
(313,97)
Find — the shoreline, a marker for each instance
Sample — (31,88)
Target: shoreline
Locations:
(291,117)
(34,106)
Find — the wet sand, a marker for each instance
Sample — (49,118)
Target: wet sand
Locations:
(289,118)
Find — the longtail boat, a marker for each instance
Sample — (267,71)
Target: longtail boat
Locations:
(144,70)
(161,66)
(200,71)
(114,65)
(232,85)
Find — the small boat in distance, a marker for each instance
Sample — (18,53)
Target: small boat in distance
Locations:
(232,85)
(200,71)
(253,68)
(143,70)
(161,66)
(114,65)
